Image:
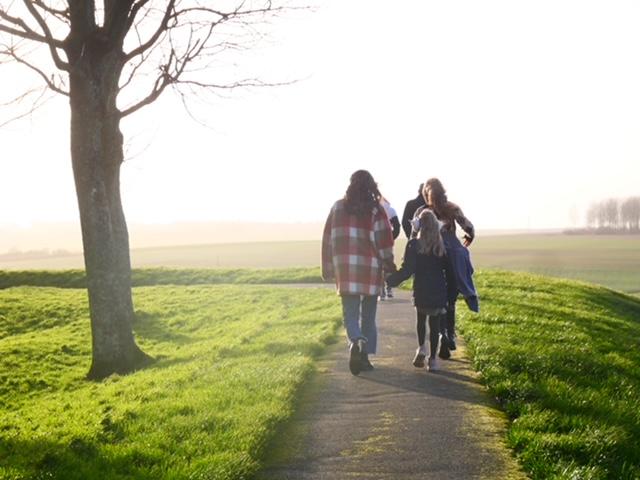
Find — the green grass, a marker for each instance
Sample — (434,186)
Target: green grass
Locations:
(560,356)
(163,276)
(609,260)
(563,360)
(229,362)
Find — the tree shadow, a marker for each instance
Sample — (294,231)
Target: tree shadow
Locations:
(153,327)
(78,459)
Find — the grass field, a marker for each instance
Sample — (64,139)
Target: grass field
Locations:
(562,358)
(610,260)
(229,362)
(613,261)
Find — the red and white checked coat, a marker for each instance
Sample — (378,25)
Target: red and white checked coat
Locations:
(355,250)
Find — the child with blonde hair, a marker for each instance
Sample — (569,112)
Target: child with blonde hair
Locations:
(425,259)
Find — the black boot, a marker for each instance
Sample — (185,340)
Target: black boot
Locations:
(365,363)
(444,353)
(355,363)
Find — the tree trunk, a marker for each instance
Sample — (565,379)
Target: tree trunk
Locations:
(96,154)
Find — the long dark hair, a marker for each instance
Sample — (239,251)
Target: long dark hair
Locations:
(439,202)
(362,195)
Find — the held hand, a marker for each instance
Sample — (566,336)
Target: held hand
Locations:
(327,275)
(467,240)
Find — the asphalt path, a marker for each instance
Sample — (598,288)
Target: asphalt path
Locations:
(395,422)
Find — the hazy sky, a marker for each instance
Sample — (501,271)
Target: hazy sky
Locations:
(525,110)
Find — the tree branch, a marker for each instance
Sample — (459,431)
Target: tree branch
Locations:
(154,38)
(62,65)
(116,18)
(63,14)
(11,52)
(159,86)
(27,32)
(134,13)
(34,107)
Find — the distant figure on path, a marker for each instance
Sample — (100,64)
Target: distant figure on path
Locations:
(357,245)
(387,291)
(449,214)
(410,211)
(425,259)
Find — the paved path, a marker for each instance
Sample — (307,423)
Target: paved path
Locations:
(396,422)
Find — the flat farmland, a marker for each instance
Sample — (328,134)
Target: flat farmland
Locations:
(610,260)
(613,261)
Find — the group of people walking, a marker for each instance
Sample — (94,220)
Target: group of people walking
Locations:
(357,252)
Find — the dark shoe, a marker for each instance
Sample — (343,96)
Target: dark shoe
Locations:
(452,342)
(418,360)
(444,353)
(355,364)
(365,363)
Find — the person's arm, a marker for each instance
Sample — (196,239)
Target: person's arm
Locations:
(395,224)
(383,239)
(328,272)
(406,219)
(408,267)
(466,226)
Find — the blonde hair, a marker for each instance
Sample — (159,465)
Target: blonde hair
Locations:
(429,238)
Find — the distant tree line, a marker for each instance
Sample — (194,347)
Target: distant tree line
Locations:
(613,214)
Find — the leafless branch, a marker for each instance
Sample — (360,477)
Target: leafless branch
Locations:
(134,12)
(154,38)
(18,27)
(61,14)
(10,51)
(38,102)
(19,98)
(159,86)
(53,43)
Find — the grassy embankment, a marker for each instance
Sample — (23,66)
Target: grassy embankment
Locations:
(563,360)
(560,356)
(164,276)
(229,361)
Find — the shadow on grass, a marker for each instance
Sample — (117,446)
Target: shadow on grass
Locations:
(154,328)
(78,459)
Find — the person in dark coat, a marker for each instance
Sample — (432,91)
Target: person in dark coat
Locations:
(425,259)
(448,213)
(410,211)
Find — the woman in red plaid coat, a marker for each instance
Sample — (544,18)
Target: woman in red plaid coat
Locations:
(357,246)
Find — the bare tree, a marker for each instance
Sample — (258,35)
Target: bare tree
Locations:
(611,213)
(601,215)
(592,215)
(102,55)
(631,212)
(626,215)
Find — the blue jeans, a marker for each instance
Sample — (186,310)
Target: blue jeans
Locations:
(356,308)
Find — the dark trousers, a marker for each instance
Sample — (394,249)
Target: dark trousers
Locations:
(435,322)
(448,324)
